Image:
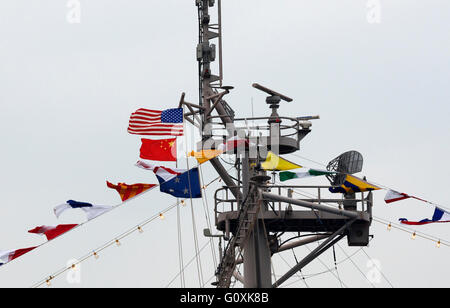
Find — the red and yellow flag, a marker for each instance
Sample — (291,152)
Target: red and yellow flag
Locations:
(129,191)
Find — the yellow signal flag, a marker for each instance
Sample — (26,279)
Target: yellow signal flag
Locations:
(276,163)
(205,155)
(358,185)
(353,184)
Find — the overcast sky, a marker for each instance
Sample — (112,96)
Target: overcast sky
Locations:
(67,90)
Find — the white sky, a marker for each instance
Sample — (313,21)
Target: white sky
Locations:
(66,92)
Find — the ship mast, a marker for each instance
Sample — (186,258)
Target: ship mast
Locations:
(252,222)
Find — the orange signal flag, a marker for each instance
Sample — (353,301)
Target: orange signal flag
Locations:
(205,155)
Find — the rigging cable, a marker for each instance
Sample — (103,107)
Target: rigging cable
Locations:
(138,228)
(357,267)
(180,248)
(379,269)
(301,276)
(378,184)
(330,270)
(386,222)
(116,240)
(188,263)
(207,216)
(112,209)
(301,272)
(390,225)
(208,281)
(91,220)
(194,227)
(307,276)
(335,265)
(410,231)
(180,243)
(201,249)
(320,221)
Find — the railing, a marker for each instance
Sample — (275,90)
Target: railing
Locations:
(226,202)
(289,127)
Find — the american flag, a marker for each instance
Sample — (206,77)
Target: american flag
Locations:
(157,123)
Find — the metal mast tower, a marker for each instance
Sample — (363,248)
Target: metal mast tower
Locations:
(253,211)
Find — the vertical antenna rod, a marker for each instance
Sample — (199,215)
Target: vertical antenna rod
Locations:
(206,55)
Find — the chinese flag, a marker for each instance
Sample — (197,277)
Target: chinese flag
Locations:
(160,150)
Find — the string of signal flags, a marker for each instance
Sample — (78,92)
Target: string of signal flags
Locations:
(180,183)
(390,226)
(185,183)
(165,149)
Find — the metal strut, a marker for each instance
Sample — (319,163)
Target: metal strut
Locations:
(331,241)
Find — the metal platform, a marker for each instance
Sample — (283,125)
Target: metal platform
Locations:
(291,221)
(277,213)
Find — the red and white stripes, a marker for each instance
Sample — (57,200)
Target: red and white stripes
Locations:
(148,122)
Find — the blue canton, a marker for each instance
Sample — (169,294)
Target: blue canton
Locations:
(185,185)
(172,115)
